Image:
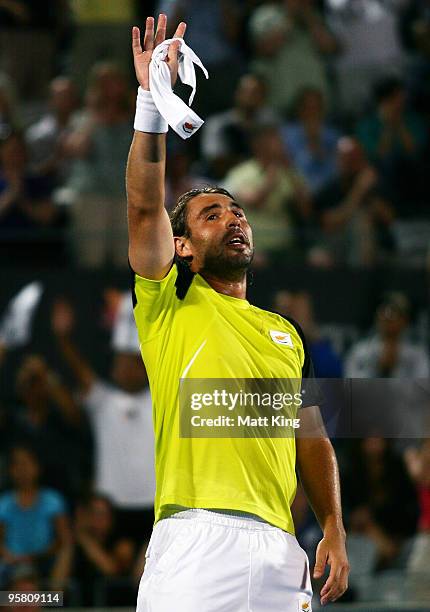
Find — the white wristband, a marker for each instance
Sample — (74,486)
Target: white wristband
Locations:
(148,118)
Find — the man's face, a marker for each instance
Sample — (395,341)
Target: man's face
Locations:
(268,147)
(64,99)
(250,93)
(391,322)
(350,157)
(24,469)
(221,238)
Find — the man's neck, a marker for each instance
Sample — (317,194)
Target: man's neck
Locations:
(234,288)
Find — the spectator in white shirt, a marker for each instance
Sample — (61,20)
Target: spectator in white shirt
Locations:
(388,353)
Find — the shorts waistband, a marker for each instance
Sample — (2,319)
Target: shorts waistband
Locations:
(218,518)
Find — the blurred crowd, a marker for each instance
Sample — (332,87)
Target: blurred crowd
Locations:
(316,118)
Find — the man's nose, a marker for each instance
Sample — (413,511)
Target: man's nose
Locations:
(233,221)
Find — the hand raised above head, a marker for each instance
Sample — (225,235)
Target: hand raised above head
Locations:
(142,56)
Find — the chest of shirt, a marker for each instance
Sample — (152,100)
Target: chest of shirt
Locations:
(211,340)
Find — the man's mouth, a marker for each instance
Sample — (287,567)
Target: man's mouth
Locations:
(238,239)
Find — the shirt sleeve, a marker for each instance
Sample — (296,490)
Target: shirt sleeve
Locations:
(311,392)
(154,302)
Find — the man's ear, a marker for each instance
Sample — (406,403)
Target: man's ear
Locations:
(183,247)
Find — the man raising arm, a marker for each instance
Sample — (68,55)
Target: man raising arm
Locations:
(151,247)
(229,496)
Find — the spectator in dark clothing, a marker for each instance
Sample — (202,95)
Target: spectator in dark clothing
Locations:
(34,527)
(100,553)
(384,505)
(394,138)
(28,216)
(353,213)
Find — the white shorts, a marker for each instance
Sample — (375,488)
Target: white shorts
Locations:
(203,561)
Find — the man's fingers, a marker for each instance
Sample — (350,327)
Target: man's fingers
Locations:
(148,41)
(180,30)
(172,54)
(333,577)
(135,41)
(161,29)
(336,584)
(320,561)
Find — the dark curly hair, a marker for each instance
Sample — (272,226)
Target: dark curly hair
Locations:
(178,216)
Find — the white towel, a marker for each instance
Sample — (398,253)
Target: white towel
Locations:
(15,325)
(178,115)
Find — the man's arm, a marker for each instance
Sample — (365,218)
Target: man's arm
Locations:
(151,247)
(317,466)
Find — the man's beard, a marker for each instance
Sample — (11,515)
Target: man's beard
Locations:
(226,266)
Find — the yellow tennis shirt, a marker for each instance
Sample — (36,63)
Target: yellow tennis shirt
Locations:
(210,335)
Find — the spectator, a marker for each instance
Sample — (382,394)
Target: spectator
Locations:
(311,142)
(28,216)
(298,305)
(226,136)
(45,138)
(368,35)
(352,212)
(212,32)
(418,464)
(100,142)
(100,552)
(35,528)
(388,352)
(121,417)
(394,139)
(373,509)
(49,420)
(291,43)
(271,190)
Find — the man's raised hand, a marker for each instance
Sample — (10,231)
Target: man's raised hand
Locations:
(142,57)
